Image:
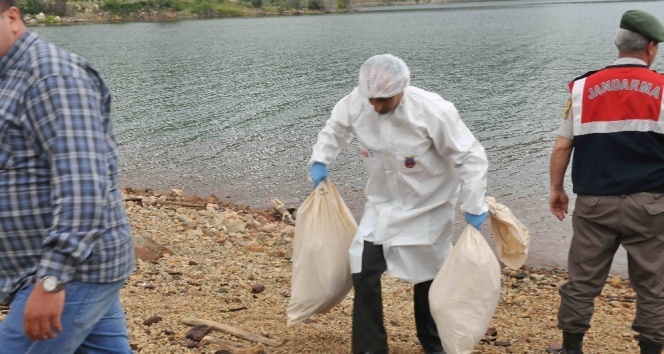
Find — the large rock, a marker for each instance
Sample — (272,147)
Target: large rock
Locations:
(235,225)
(148,250)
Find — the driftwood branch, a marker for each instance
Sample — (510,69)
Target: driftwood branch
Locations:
(165,202)
(133,199)
(228,343)
(233,347)
(181,204)
(231,350)
(280,207)
(230,330)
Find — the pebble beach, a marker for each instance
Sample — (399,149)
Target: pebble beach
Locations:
(214,277)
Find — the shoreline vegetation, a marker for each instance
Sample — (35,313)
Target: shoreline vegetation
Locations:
(55,12)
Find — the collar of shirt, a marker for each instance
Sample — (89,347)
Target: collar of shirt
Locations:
(629,61)
(16,51)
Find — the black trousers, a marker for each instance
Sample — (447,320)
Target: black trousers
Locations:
(368,328)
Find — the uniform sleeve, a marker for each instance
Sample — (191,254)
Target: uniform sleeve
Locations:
(453,140)
(336,135)
(66,115)
(566,128)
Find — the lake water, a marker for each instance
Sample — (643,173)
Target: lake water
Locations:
(231,107)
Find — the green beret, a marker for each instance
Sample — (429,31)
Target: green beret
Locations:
(644,24)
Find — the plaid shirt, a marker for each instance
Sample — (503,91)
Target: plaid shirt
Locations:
(61,213)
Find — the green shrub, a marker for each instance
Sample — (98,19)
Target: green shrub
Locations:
(295,4)
(51,7)
(166,4)
(229,10)
(206,8)
(32,7)
(120,8)
(180,6)
(202,8)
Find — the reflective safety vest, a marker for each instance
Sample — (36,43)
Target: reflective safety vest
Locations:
(618,131)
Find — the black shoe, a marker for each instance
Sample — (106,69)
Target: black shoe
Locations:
(650,347)
(380,351)
(572,343)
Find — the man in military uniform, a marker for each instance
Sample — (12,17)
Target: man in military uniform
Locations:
(614,125)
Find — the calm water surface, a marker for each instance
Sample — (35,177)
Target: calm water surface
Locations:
(231,107)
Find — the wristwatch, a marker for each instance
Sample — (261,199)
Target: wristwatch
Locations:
(51,284)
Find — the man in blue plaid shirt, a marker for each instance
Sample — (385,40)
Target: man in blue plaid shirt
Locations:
(65,240)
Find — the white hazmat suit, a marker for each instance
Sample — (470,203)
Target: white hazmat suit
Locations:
(419,158)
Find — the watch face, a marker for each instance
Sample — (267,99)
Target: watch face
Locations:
(49,283)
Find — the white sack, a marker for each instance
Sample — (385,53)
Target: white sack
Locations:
(464,295)
(321,275)
(512,237)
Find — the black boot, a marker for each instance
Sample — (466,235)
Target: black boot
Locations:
(382,351)
(572,343)
(650,347)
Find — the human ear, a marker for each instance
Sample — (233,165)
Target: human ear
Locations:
(14,16)
(652,48)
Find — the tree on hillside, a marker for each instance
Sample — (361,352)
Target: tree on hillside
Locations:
(51,7)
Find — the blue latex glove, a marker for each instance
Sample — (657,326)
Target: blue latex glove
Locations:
(318,172)
(476,220)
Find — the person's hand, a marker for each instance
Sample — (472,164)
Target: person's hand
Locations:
(476,220)
(558,203)
(318,173)
(43,311)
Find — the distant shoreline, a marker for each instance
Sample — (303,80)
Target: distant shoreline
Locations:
(169,17)
(92,14)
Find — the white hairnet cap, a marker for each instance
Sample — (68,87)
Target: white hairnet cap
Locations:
(383,76)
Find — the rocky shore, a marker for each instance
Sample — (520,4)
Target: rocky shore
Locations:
(97,16)
(91,12)
(227,268)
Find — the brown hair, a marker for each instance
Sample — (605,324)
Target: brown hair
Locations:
(6,4)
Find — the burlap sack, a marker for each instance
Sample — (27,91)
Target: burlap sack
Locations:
(321,276)
(465,292)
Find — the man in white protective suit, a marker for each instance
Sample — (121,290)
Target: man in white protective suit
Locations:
(419,158)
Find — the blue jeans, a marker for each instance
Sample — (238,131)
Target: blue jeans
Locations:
(92,322)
